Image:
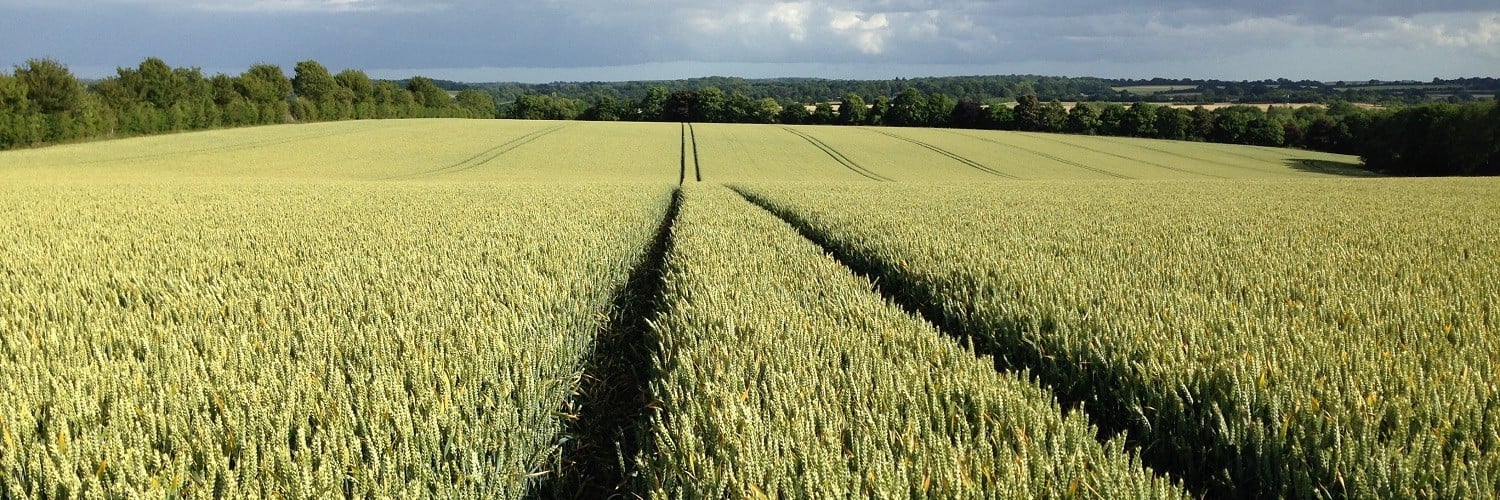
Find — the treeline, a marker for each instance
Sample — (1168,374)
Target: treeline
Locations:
(42,102)
(999,88)
(1007,88)
(1428,139)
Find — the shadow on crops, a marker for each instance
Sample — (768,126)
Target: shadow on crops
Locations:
(610,416)
(1329,168)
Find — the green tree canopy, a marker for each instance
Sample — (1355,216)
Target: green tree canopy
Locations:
(909,109)
(481,103)
(653,107)
(50,87)
(852,111)
(427,93)
(153,82)
(313,82)
(264,84)
(358,84)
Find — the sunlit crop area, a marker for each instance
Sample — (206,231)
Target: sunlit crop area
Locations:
(416,308)
(1300,338)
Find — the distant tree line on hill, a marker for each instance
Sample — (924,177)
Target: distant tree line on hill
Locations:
(1007,88)
(41,102)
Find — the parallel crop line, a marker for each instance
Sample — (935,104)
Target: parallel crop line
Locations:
(837,156)
(1045,155)
(1190,157)
(971,163)
(487,155)
(272,141)
(1116,155)
(697,167)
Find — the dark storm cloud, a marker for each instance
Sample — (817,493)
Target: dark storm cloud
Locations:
(372,34)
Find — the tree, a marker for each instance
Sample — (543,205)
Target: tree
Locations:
(767,111)
(822,114)
(50,87)
(1001,117)
(740,108)
(878,110)
(479,103)
(605,109)
(1111,119)
(709,106)
(1083,119)
(1028,113)
(1139,120)
(681,106)
(909,109)
(153,82)
(13,111)
(1054,117)
(967,114)
(1231,125)
(267,88)
(939,109)
(13,95)
(794,113)
(427,93)
(545,107)
(852,110)
(264,84)
(1201,125)
(358,84)
(653,107)
(1173,123)
(313,82)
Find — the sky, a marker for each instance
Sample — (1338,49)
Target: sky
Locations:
(611,40)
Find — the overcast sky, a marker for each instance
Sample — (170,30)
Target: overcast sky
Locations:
(550,40)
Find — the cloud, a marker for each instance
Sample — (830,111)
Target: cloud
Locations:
(1001,36)
(867,32)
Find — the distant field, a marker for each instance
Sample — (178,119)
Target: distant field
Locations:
(537,309)
(541,151)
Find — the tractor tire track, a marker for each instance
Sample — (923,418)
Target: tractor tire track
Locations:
(837,156)
(485,156)
(682,157)
(697,166)
(1120,156)
(273,141)
(1045,155)
(1190,157)
(955,156)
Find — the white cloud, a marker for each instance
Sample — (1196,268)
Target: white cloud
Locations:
(792,15)
(867,32)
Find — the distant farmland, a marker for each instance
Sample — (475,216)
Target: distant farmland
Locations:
(509,309)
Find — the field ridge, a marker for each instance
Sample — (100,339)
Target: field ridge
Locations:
(485,156)
(837,156)
(955,156)
(1046,137)
(1044,155)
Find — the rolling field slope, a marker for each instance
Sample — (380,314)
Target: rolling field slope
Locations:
(506,150)
(491,308)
